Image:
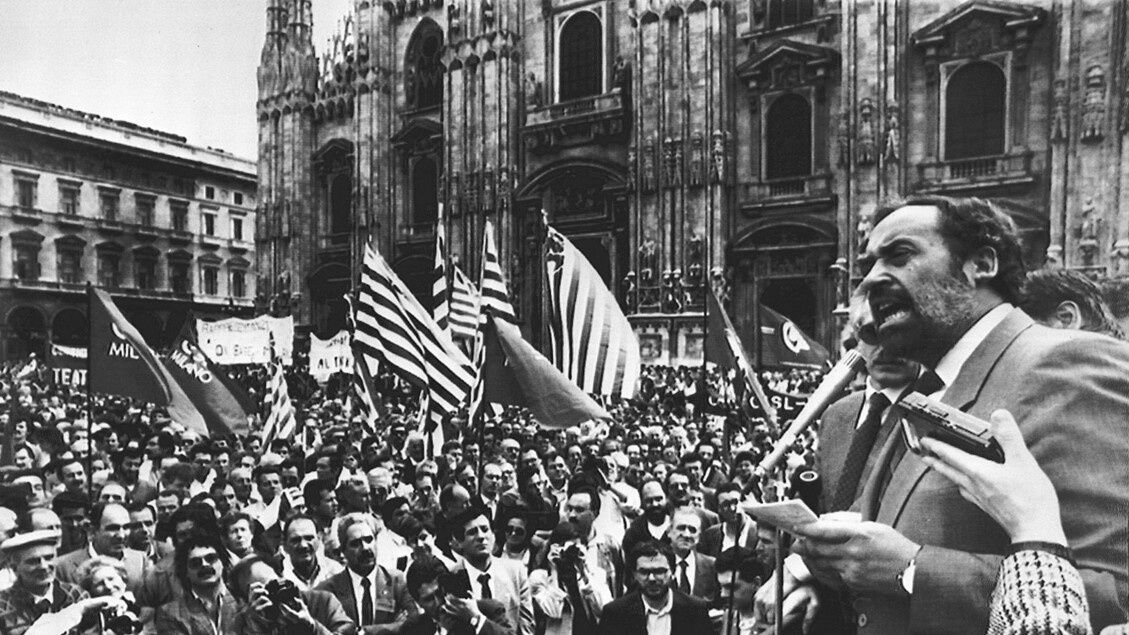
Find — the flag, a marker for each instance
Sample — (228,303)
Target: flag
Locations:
(391,325)
(368,406)
(724,348)
(495,296)
(121,363)
(221,402)
(281,421)
(464,302)
(515,373)
(783,344)
(593,343)
(440,307)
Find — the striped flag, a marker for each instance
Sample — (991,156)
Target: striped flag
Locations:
(495,296)
(593,342)
(464,305)
(494,302)
(392,326)
(281,422)
(440,307)
(364,402)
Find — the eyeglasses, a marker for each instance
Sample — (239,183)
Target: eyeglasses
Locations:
(515,530)
(199,561)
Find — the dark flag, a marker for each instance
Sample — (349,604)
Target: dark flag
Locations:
(207,386)
(723,347)
(514,373)
(784,345)
(121,363)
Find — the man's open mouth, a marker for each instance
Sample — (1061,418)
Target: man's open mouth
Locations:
(888,311)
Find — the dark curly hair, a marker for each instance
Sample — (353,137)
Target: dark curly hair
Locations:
(969,224)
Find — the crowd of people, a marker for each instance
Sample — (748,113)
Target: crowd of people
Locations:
(115,518)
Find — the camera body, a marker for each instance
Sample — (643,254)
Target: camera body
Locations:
(120,622)
(281,593)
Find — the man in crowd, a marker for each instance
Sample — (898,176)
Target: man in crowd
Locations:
(374,597)
(304,562)
(491,578)
(736,529)
(653,524)
(35,591)
(600,550)
(237,530)
(942,278)
(72,511)
(208,608)
(310,612)
(1062,298)
(443,609)
(655,607)
(694,572)
(109,531)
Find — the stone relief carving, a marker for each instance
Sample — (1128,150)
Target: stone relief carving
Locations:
(893,133)
(1088,232)
(532,91)
(631,169)
(717,154)
(866,141)
(649,167)
(1093,108)
(1059,114)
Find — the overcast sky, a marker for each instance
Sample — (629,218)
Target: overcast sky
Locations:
(182,66)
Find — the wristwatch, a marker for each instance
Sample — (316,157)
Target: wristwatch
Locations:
(905,578)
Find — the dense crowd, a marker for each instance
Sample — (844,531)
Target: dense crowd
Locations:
(125,485)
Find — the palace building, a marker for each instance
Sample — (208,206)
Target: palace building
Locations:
(680,142)
(166,227)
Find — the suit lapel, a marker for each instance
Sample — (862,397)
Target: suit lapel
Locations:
(343,586)
(961,394)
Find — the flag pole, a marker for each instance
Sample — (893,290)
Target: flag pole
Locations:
(89,402)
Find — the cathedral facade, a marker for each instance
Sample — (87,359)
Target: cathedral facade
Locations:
(680,143)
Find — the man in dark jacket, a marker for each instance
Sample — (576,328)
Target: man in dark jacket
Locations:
(654,608)
(441,606)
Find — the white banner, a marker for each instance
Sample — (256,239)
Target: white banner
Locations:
(236,341)
(330,356)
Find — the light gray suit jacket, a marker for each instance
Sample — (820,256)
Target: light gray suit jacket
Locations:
(510,585)
(1069,391)
(136,562)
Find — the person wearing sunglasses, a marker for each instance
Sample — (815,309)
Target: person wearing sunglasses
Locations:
(206,607)
(516,539)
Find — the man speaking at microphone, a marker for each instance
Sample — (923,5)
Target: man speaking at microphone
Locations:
(942,277)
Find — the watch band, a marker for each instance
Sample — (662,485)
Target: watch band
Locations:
(1052,548)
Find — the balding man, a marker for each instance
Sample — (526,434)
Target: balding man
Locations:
(108,533)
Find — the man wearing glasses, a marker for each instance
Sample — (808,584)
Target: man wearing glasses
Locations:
(654,608)
(206,607)
(736,529)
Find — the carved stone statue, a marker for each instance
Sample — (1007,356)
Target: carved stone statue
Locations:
(504,188)
(1088,232)
(532,91)
(893,134)
(488,13)
(631,170)
(717,154)
(454,20)
(647,261)
(1093,109)
(1121,257)
(1058,115)
(621,74)
(629,291)
(488,189)
(866,140)
(862,231)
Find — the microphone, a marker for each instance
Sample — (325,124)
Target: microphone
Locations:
(828,391)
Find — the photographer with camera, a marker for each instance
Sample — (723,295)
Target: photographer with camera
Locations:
(273,605)
(567,597)
(445,600)
(206,607)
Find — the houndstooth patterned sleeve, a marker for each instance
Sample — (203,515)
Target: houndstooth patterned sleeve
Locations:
(1038,593)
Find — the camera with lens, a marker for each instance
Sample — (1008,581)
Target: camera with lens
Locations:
(119,622)
(281,593)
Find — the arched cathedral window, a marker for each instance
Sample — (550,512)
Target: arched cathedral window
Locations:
(975,111)
(788,137)
(580,57)
(423,70)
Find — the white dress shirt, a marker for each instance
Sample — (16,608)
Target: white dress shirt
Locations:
(658,621)
(691,569)
(475,586)
(359,591)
